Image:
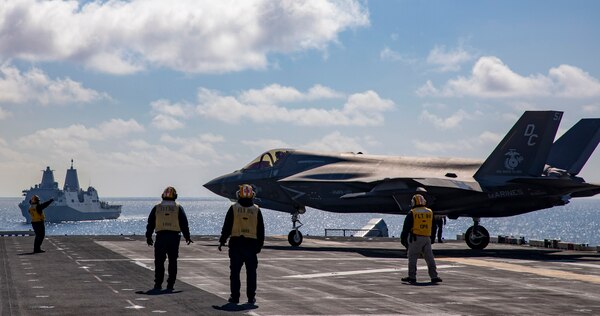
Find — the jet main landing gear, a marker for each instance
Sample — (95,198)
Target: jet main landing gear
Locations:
(295,236)
(477,237)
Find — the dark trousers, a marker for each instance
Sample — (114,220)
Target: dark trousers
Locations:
(166,245)
(40,232)
(438,226)
(239,257)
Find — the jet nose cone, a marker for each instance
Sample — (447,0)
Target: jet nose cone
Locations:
(222,186)
(214,185)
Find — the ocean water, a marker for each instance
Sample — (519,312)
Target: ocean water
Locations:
(577,222)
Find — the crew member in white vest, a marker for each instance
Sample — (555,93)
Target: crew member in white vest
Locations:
(168,220)
(416,234)
(244,224)
(38,218)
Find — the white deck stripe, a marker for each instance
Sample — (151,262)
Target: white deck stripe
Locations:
(341,273)
(553,273)
(261,259)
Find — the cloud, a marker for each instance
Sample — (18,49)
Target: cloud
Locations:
(490,138)
(276,93)
(76,137)
(442,147)
(335,141)
(388,54)
(122,37)
(453,121)
(165,122)
(193,147)
(4,114)
(591,108)
(211,138)
(360,109)
(428,89)
(332,142)
(491,78)
(116,128)
(458,146)
(265,144)
(8,154)
(35,86)
(168,116)
(447,60)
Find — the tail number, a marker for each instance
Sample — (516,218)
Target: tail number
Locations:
(529,132)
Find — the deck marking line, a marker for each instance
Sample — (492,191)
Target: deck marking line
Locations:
(342,273)
(133,306)
(524,269)
(265,259)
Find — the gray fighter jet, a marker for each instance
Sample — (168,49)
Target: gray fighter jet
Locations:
(526,172)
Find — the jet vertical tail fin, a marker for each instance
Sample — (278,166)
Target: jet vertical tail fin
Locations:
(524,150)
(572,150)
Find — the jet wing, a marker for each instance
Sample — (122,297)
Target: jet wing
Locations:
(406,186)
(387,188)
(450,184)
(395,186)
(384,170)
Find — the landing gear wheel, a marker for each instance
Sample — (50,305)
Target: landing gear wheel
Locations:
(477,237)
(295,238)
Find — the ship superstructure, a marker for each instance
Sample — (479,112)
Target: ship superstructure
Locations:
(71,203)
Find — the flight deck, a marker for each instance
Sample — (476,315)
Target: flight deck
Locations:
(112,275)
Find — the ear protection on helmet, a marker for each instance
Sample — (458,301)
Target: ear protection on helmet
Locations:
(418,200)
(169,194)
(245,192)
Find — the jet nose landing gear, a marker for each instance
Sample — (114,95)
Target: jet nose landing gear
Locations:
(477,237)
(295,236)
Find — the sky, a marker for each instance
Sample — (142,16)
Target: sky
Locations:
(144,94)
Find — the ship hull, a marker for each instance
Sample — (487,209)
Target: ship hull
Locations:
(71,203)
(56,214)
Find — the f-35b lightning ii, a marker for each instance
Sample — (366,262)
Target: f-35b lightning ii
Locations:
(526,172)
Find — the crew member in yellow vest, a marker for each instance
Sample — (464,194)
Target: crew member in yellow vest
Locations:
(168,220)
(36,212)
(416,235)
(244,224)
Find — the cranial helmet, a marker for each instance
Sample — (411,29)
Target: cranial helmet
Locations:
(245,192)
(169,194)
(418,200)
(34,199)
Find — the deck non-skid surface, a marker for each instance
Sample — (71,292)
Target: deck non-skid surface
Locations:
(110,275)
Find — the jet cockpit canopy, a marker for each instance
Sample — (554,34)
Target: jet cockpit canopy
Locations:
(268,159)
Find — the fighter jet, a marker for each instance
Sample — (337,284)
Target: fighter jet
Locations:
(526,172)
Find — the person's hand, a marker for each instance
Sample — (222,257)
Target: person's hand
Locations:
(221,245)
(149,241)
(189,241)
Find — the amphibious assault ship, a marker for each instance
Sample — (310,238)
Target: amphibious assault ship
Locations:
(71,203)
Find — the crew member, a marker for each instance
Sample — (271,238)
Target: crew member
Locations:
(244,224)
(36,212)
(169,220)
(438,224)
(416,234)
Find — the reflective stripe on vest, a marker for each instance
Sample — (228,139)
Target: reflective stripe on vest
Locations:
(422,221)
(167,217)
(245,220)
(35,216)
